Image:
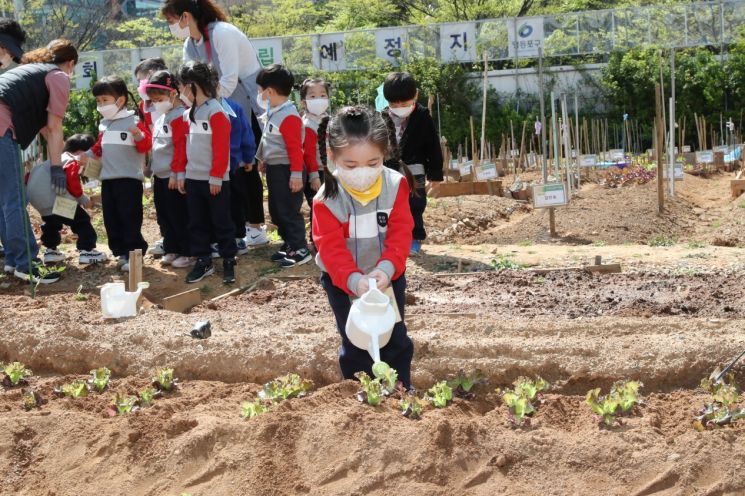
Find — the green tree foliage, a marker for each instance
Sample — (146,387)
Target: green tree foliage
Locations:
(81,115)
(140,32)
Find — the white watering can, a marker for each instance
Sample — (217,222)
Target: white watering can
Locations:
(371,320)
(116,302)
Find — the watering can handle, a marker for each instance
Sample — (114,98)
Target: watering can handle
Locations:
(373,284)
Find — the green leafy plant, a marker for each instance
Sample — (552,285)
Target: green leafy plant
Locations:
(525,242)
(372,390)
(503,263)
(79,296)
(462,383)
(387,375)
(75,389)
(147,396)
(439,395)
(251,409)
(621,399)
(693,245)
(15,374)
(661,240)
(599,242)
(100,379)
(31,399)
(123,404)
(164,380)
(720,411)
(412,407)
(523,399)
(285,387)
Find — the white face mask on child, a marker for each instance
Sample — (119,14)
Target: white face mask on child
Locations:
(185,99)
(317,106)
(162,107)
(402,112)
(108,111)
(263,103)
(359,178)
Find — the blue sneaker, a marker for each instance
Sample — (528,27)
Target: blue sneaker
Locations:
(416,247)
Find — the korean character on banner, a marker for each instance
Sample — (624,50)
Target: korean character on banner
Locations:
(537,43)
(522,44)
(530,43)
(393,46)
(456,41)
(266,55)
(89,68)
(329,51)
(514,45)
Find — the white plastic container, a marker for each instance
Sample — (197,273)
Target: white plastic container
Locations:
(370,322)
(116,302)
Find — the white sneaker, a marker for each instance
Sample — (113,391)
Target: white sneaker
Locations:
(9,269)
(156,249)
(125,267)
(92,257)
(256,237)
(53,256)
(184,262)
(215,250)
(168,258)
(121,261)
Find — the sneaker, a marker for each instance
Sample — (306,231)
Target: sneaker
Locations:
(242,247)
(416,247)
(184,262)
(168,258)
(256,237)
(9,269)
(294,258)
(281,254)
(125,267)
(156,249)
(228,268)
(91,257)
(215,250)
(53,256)
(122,261)
(202,269)
(36,277)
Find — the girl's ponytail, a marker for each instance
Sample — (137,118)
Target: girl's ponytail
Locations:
(140,114)
(330,186)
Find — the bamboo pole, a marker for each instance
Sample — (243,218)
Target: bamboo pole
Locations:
(659,132)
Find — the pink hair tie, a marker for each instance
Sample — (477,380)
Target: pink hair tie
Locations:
(149,86)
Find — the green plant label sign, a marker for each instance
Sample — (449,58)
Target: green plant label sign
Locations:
(486,171)
(588,160)
(705,157)
(549,195)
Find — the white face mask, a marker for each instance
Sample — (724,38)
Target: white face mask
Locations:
(178,31)
(162,107)
(263,103)
(185,99)
(317,106)
(5,61)
(402,112)
(108,111)
(359,178)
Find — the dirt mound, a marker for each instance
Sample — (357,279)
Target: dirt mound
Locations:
(329,444)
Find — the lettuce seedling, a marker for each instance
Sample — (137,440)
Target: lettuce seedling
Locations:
(32,399)
(372,390)
(76,389)
(387,375)
(462,384)
(251,409)
(621,399)
(439,395)
(412,407)
(147,396)
(719,412)
(285,387)
(164,380)
(100,378)
(123,404)
(15,374)
(523,399)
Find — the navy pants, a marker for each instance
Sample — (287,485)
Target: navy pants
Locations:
(418,204)
(173,218)
(238,201)
(310,194)
(399,351)
(284,206)
(121,200)
(80,226)
(209,218)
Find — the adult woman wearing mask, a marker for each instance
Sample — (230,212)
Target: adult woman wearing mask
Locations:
(33,100)
(210,38)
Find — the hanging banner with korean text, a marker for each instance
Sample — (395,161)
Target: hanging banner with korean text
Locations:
(390,45)
(525,36)
(269,50)
(86,69)
(329,53)
(458,42)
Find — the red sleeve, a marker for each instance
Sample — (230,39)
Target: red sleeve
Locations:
(179,130)
(329,238)
(291,129)
(310,144)
(146,143)
(72,172)
(148,116)
(96,149)
(220,125)
(399,235)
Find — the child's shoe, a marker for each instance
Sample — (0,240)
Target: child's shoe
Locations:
(9,269)
(256,237)
(202,269)
(122,261)
(242,247)
(416,247)
(91,257)
(156,249)
(281,254)
(215,250)
(184,262)
(294,258)
(228,269)
(37,276)
(53,256)
(168,258)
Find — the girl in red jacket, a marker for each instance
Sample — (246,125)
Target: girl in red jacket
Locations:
(362,228)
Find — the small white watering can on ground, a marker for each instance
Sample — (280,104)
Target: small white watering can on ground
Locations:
(371,320)
(116,302)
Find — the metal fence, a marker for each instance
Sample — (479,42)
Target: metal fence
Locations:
(569,34)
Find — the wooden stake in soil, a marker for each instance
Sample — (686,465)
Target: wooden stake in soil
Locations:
(659,130)
(135,269)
